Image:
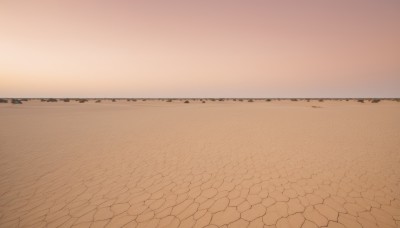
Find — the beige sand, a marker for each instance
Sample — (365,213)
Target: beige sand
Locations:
(218,164)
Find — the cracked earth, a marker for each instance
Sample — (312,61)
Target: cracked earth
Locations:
(218,164)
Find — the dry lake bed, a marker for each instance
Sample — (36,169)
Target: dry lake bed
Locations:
(214,164)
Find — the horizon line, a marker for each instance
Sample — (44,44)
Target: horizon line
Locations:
(157,98)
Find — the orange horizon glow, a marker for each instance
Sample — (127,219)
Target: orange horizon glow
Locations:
(204,48)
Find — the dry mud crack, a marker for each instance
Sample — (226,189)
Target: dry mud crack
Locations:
(200,165)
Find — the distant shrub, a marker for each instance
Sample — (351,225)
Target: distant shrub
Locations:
(24,99)
(203,101)
(52,100)
(3,101)
(308,100)
(143,99)
(375,101)
(16,101)
(113,100)
(134,100)
(43,100)
(250,100)
(268,100)
(321,100)
(221,99)
(212,99)
(169,100)
(186,102)
(293,99)
(360,100)
(66,100)
(98,101)
(241,100)
(82,100)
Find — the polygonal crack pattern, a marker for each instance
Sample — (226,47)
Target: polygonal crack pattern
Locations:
(143,172)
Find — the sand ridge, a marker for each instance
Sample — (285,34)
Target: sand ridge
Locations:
(218,164)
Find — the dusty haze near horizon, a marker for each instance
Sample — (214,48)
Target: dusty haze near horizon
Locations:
(218,164)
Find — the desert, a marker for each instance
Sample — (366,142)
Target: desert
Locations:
(185,113)
(221,163)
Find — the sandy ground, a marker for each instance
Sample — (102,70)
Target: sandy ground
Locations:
(218,164)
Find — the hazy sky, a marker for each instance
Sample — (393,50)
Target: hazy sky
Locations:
(202,48)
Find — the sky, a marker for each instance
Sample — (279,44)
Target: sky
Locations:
(203,48)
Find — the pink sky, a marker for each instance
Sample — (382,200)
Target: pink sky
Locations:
(207,48)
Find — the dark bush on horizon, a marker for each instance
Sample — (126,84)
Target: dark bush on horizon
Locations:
(51,100)
(293,99)
(169,100)
(321,100)
(3,101)
(83,100)
(186,102)
(113,100)
(203,101)
(375,100)
(360,100)
(268,100)
(66,100)
(98,101)
(16,101)
(250,100)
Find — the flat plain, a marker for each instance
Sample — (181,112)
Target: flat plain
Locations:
(215,164)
